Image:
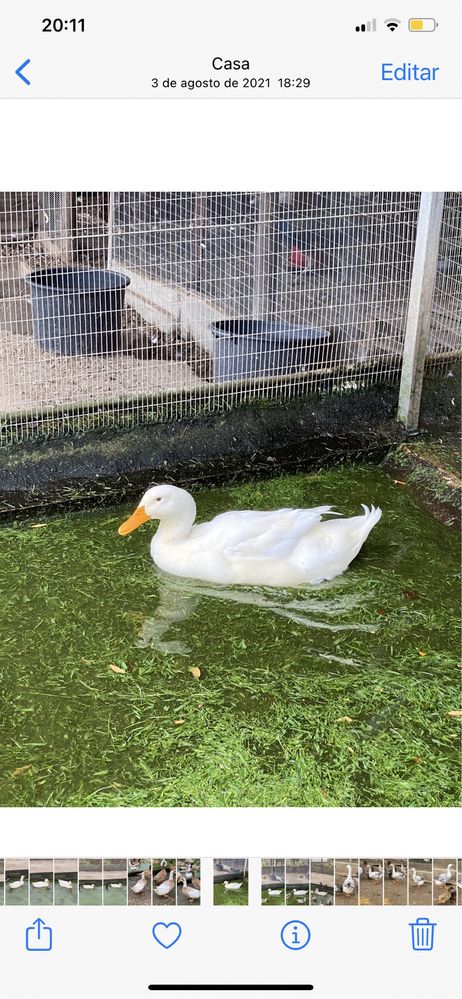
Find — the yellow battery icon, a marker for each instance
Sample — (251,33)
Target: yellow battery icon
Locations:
(422,24)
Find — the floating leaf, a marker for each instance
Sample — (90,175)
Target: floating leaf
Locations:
(454,714)
(344,718)
(116,669)
(21,770)
(195,672)
(178,721)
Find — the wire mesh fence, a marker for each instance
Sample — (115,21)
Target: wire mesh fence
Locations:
(126,306)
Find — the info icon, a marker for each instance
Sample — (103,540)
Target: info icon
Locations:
(295,935)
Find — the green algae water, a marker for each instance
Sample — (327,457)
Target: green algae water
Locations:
(223,896)
(334,695)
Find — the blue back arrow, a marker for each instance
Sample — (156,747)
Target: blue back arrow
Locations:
(19,73)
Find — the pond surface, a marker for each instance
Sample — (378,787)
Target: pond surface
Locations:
(91,896)
(66,896)
(16,896)
(225,896)
(115,896)
(335,695)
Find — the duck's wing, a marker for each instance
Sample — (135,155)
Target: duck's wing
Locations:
(270,535)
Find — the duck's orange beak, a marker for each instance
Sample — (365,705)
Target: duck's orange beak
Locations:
(137,518)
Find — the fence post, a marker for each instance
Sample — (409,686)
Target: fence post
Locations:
(420,306)
(110,229)
(260,291)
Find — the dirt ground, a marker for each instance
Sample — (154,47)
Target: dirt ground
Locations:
(31,378)
(370,891)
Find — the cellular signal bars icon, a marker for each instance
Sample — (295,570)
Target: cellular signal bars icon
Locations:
(367,26)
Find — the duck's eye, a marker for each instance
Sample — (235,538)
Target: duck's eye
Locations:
(158,499)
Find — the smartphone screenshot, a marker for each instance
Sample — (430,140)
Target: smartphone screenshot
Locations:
(230,342)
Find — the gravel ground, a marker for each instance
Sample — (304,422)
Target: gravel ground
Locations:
(31,378)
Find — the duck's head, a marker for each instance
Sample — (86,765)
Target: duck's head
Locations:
(161,503)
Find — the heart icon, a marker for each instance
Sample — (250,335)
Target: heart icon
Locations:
(166,934)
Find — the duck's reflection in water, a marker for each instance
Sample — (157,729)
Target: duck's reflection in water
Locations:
(325,608)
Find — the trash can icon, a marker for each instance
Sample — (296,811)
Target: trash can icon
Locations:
(423,934)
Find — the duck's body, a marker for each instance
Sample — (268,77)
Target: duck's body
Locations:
(373,875)
(166,886)
(192,894)
(285,547)
(160,876)
(141,884)
(116,885)
(397,875)
(88,887)
(232,885)
(17,884)
(348,885)
(274,891)
(65,884)
(444,878)
(417,880)
(41,884)
(299,892)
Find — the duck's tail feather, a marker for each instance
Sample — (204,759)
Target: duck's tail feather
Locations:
(372,516)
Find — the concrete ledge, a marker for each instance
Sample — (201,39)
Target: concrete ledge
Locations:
(432,470)
(261,439)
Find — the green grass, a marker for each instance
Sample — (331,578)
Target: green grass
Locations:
(260,727)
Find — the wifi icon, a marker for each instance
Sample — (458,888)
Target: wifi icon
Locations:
(392,23)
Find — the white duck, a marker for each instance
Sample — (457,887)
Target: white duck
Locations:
(348,885)
(232,885)
(41,884)
(65,884)
(141,884)
(373,875)
(87,887)
(189,891)
(443,878)
(299,892)
(274,891)
(417,880)
(116,885)
(251,547)
(397,875)
(17,884)
(166,886)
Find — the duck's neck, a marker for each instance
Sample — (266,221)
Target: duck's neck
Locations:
(172,530)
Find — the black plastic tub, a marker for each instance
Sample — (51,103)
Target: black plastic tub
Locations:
(253,348)
(77,311)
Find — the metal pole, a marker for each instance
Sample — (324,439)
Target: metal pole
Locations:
(260,291)
(110,229)
(420,305)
